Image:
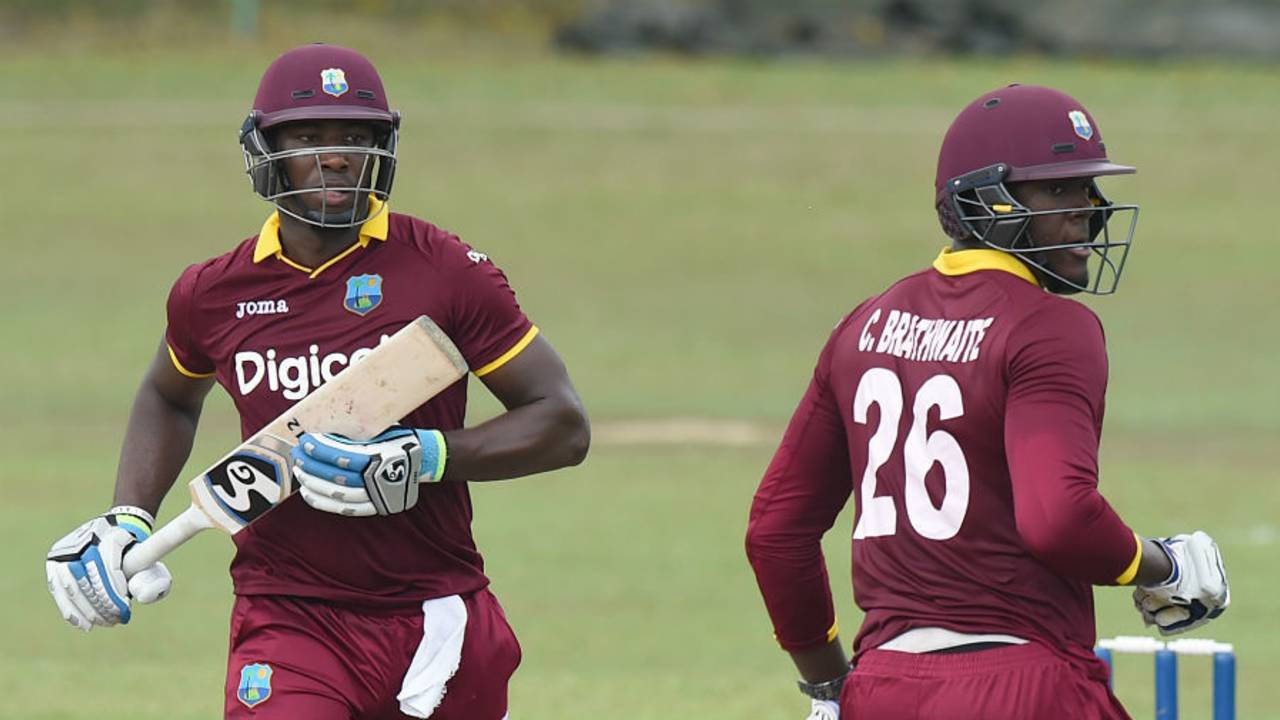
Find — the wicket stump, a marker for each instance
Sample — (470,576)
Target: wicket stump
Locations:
(1166,658)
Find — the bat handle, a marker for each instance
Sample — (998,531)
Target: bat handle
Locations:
(164,540)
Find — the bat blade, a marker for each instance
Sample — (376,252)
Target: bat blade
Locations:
(400,374)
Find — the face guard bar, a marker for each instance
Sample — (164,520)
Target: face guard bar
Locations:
(988,212)
(271,182)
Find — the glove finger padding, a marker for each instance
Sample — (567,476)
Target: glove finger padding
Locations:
(316,477)
(363,477)
(106,571)
(64,588)
(67,596)
(324,473)
(352,503)
(1196,590)
(1205,558)
(85,574)
(1198,573)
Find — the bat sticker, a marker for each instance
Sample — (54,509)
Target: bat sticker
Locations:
(251,481)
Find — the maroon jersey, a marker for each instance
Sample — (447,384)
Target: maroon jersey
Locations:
(271,331)
(962,409)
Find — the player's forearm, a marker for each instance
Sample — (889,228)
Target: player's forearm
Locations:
(784,547)
(1051,445)
(792,577)
(1062,518)
(823,663)
(802,492)
(1075,532)
(544,435)
(157,444)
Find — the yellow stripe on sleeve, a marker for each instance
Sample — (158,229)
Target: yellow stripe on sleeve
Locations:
(1130,572)
(183,370)
(505,357)
(832,632)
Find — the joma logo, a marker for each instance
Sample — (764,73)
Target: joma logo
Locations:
(261,307)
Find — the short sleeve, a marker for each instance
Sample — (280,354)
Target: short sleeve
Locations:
(487,323)
(187,356)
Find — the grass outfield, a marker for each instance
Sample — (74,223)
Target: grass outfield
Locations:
(686,235)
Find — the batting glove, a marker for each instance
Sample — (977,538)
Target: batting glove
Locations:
(824,710)
(378,476)
(84,571)
(1193,594)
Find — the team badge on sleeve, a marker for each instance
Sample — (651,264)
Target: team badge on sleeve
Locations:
(255,684)
(364,293)
(1080,123)
(333,81)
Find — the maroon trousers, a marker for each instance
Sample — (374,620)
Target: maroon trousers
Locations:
(294,658)
(1018,682)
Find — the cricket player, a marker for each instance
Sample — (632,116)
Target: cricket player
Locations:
(962,407)
(350,602)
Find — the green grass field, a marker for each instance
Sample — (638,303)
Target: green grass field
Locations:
(685,234)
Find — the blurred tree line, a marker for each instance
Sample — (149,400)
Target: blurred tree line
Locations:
(478,11)
(1116,28)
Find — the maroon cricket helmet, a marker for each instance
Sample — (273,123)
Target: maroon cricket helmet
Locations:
(1020,133)
(320,83)
(1038,132)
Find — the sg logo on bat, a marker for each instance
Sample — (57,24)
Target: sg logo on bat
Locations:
(249,482)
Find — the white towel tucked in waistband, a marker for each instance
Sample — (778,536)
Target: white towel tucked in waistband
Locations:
(929,639)
(444,623)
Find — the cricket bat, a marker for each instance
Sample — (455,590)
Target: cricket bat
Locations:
(405,371)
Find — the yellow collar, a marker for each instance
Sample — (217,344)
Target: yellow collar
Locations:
(269,237)
(963,262)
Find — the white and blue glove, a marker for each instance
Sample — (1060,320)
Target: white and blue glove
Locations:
(378,476)
(1193,594)
(824,710)
(84,570)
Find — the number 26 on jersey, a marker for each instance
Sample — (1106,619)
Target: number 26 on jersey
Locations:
(920,451)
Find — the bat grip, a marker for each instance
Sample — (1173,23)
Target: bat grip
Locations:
(163,541)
